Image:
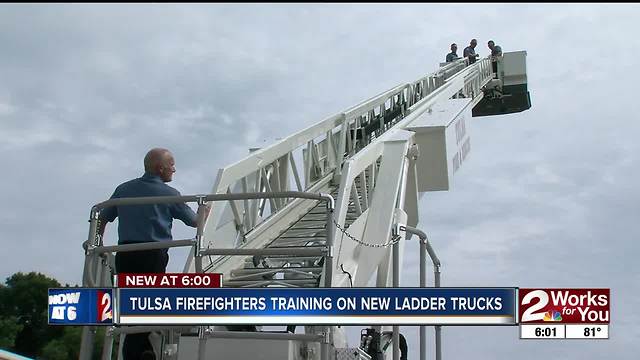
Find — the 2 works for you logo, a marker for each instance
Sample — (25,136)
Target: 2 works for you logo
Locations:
(569,306)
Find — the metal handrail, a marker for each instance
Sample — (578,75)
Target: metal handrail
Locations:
(143,246)
(97,248)
(211,197)
(94,248)
(426,248)
(303,251)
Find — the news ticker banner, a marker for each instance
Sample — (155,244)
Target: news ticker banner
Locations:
(197,299)
(564,313)
(295,306)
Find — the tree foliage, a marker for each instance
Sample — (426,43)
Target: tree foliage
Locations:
(25,298)
(23,321)
(9,328)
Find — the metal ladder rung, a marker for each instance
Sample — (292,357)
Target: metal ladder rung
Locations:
(289,242)
(324,221)
(302,237)
(302,232)
(266,274)
(275,270)
(239,283)
(288,258)
(309,247)
(307,228)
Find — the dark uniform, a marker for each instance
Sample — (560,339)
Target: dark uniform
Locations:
(145,223)
(470,53)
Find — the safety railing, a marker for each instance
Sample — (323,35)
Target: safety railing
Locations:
(426,248)
(362,167)
(305,161)
(98,257)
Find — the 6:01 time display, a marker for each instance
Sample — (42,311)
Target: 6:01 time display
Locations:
(545,332)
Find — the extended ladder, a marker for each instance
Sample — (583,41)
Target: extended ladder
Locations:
(373,159)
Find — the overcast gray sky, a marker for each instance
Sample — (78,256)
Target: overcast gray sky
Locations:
(548,197)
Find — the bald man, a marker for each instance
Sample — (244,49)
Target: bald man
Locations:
(146,223)
(470,51)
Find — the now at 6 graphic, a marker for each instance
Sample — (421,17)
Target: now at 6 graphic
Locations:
(80,306)
(564,306)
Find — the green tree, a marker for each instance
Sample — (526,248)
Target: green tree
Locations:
(23,321)
(56,349)
(68,346)
(9,329)
(24,298)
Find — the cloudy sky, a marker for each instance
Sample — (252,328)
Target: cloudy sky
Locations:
(548,197)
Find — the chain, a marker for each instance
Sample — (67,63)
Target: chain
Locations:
(394,240)
(98,241)
(105,262)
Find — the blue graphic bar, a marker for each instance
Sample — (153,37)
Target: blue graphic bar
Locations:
(80,306)
(412,306)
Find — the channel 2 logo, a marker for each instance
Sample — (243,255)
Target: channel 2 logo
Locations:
(105,311)
(568,306)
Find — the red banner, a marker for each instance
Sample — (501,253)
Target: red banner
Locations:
(169,280)
(568,306)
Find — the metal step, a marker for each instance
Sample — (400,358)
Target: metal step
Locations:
(276,282)
(289,270)
(281,269)
(304,232)
(291,259)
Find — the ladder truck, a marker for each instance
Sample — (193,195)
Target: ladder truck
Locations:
(329,206)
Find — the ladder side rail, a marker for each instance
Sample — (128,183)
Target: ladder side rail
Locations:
(354,167)
(447,90)
(318,163)
(236,172)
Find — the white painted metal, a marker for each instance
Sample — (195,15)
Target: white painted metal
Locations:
(513,68)
(381,210)
(366,158)
(375,174)
(429,89)
(443,137)
(411,196)
(241,349)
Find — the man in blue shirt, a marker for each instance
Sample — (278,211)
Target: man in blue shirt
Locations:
(452,56)
(470,51)
(496,50)
(146,223)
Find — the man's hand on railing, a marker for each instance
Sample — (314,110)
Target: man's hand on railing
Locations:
(206,210)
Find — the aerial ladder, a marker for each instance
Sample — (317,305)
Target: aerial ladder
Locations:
(332,205)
